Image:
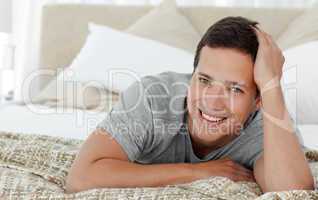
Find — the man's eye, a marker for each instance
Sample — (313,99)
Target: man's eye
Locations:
(204,81)
(236,89)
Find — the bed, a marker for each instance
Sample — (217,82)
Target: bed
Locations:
(40,138)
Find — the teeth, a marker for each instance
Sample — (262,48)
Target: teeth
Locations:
(211,118)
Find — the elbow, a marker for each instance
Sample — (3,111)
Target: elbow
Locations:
(70,188)
(86,178)
(308,184)
(304,184)
(74,183)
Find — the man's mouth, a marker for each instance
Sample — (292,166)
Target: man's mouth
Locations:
(212,118)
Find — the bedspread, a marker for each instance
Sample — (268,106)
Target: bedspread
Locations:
(35,167)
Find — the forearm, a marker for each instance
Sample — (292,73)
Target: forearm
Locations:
(116,173)
(285,166)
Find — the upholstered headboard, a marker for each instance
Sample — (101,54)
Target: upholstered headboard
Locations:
(64,26)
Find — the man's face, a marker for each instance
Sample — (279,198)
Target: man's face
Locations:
(222,94)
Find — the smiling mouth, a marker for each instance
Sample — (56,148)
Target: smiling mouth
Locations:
(212,119)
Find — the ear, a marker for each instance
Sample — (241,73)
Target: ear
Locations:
(258,102)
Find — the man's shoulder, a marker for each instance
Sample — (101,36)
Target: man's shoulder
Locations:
(165,94)
(155,92)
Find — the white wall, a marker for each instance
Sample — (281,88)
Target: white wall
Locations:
(5,15)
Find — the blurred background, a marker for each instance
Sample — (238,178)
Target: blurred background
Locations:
(20,26)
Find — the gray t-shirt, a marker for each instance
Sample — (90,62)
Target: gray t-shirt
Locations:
(149,119)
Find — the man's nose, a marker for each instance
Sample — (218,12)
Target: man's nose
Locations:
(215,96)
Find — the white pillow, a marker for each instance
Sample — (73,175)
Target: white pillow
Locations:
(115,59)
(300,73)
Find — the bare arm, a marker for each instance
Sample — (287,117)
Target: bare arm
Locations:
(101,162)
(283,165)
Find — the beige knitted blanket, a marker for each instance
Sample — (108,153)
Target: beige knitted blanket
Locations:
(35,167)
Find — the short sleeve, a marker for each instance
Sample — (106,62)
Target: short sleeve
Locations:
(252,141)
(129,121)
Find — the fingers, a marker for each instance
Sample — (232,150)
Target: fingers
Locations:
(237,172)
(263,37)
(266,39)
(260,35)
(242,177)
(245,174)
(241,168)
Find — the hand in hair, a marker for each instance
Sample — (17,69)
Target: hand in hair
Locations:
(269,61)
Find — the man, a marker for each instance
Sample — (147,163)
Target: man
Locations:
(226,119)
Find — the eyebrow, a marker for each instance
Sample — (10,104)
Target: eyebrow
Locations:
(227,82)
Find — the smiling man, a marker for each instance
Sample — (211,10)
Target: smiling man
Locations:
(227,119)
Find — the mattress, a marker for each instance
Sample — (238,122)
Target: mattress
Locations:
(39,119)
(78,124)
(36,167)
(310,135)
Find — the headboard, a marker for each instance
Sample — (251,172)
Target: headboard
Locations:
(64,26)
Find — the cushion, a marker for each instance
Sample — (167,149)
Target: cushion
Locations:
(126,56)
(87,82)
(301,30)
(167,25)
(116,59)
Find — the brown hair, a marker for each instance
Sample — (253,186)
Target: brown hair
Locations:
(230,32)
